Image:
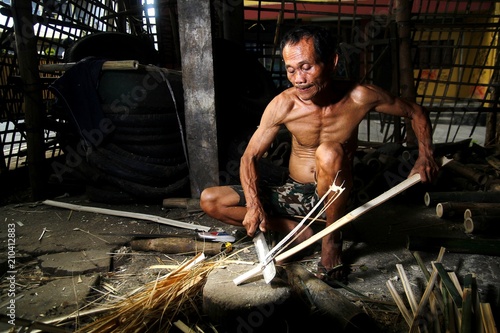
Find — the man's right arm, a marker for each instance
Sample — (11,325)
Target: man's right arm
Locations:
(259,143)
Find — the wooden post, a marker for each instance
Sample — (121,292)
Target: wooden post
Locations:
(27,58)
(177,245)
(199,95)
(407,83)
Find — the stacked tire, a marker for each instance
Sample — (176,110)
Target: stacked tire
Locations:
(143,157)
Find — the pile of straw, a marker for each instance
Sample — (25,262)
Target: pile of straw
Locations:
(157,305)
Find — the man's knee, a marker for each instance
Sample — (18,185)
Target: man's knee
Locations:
(208,200)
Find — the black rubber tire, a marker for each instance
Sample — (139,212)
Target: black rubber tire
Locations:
(133,130)
(167,121)
(143,192)
(119,137)
(153,170)
(149,192)
(163,161)
(112,46)
(154,151)
(142,89)
(113,168)
(125,110)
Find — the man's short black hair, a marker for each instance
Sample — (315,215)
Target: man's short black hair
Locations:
(325,45)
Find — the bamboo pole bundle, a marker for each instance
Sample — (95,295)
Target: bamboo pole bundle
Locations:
(156,306)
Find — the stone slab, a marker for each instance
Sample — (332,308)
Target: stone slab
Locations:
(253,306)
(72,263)
(60,296)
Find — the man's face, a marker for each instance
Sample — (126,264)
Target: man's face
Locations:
(307,74)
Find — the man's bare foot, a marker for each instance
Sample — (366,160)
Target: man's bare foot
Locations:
(335,276)
(330,268)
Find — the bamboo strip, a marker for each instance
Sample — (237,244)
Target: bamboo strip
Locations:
(424,299)
(435,311)
(488,319)
(449,312)
(407,288)
(421,264)
(466,324)
(139,216)
(476,307)
(454,278)
(449,284)
(399,302)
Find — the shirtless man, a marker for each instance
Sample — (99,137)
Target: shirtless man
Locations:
(323,122)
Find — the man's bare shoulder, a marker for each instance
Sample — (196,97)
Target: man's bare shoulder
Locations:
(282,103)
(367,94)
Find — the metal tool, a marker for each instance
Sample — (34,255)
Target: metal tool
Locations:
(262,250)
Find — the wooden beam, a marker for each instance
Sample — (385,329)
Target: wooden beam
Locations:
(199,94)
(27,58)
(407,83)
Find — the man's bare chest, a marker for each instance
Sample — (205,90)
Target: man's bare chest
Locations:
(310,130)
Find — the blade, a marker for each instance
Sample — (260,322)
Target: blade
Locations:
(262,249)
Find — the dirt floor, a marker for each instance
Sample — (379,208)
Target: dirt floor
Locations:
(60,262)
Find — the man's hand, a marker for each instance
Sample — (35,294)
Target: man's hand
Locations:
(427,167)
(255,217)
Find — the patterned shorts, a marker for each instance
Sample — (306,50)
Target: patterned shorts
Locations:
(290,199)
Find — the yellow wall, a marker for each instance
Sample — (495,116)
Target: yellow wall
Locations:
(465,83)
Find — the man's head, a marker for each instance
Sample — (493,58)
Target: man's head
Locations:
(325,44)
(310,59)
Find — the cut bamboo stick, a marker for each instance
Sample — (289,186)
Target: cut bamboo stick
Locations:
(488,319)
(448,284)
(399,302)
(107,65)
(423,301)
(421,264)
(139,216)
(454,278)
(466,324)
(407,288)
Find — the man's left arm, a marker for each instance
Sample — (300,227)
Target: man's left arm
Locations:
(425,164)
